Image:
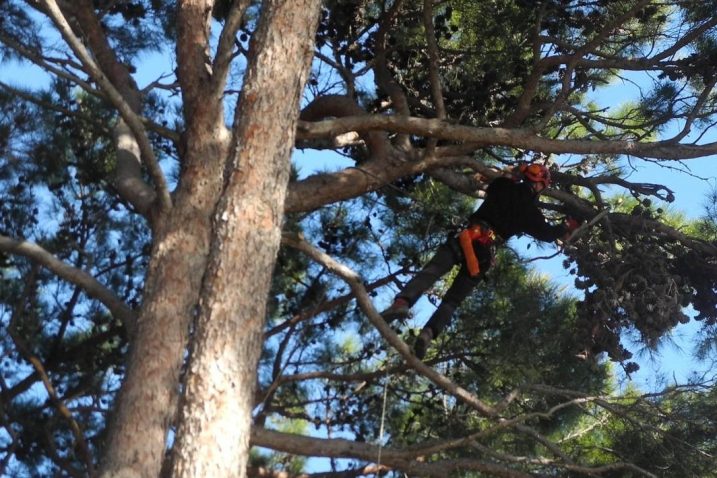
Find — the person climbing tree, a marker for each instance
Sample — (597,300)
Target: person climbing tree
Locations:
(509,208)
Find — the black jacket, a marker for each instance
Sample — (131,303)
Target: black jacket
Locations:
(511,209)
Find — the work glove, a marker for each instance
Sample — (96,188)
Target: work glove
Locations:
(571,224)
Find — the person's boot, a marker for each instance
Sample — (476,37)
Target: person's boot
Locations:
(400,309)
(422,342)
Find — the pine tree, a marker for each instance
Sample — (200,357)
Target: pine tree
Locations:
(153,324)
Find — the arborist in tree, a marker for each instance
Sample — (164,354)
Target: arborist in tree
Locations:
(510,208)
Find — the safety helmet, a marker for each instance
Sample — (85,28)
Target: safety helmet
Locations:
(536,173)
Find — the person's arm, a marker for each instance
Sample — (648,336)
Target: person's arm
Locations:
(537,226)
(571,224)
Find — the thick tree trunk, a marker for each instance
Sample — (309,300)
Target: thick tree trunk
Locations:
(147,402)
(146,405)
(213,435)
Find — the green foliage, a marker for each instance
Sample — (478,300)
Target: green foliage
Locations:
(17,24)
(54,171)
(671,433)
(324,367)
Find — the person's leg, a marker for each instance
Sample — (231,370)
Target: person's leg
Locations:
(462,286)
(443,260)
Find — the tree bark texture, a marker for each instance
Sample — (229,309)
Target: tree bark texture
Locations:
(147,401)
(146,404)
(214,429)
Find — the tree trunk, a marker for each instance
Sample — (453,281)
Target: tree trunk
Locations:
(146,404)
(213,434)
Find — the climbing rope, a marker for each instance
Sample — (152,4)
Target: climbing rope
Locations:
(383,421)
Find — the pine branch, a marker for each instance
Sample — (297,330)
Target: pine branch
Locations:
(362,297)
(71,274)
(125,109)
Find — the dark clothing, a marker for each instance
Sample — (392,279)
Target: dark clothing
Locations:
(447,255)
(509,208)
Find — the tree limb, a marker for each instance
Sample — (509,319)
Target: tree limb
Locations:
(516,138)
(354,281)
(404,460)
(225,47)
(89,284)
(126,111)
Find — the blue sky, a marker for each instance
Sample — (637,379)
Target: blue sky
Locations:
(690,196)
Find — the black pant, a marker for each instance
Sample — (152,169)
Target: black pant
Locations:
(446,257)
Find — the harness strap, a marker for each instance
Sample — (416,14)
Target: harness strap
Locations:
(483,235)
(464,238)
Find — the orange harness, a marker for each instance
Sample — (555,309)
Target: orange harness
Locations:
(481,234)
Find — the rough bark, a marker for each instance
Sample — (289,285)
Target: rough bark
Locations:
(213,434)
(146,405)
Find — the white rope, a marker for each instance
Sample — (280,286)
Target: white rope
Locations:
(381,428)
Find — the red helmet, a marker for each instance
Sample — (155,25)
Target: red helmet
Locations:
(536,173)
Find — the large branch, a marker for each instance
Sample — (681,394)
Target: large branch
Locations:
(407,460)
(368,470)
(516,138)
(129,116)
(206,136)
(413,460)
(320,189)
(225,47)
(194,68)
(71,274)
